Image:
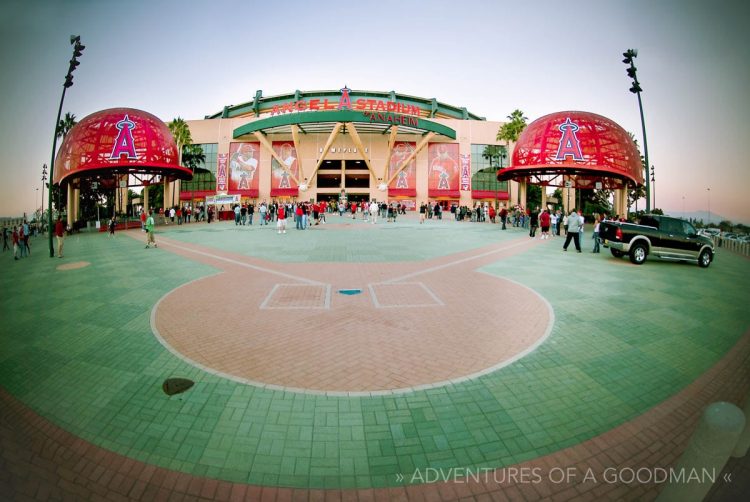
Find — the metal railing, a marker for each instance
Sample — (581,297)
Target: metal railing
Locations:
(733,245)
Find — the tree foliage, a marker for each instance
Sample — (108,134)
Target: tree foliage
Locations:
(511,130)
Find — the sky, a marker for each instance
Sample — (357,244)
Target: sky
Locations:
(190,59)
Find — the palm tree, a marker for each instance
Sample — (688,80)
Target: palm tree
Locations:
(493,152)
(637,192)
(66,124)
(181,133)
(511,130)
(62,129)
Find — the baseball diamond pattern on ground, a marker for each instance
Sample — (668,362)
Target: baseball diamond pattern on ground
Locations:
(78,349)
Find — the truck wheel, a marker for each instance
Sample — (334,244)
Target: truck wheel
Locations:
(616,253)
(704,260)
(638,253)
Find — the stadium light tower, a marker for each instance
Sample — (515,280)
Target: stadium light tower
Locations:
(636,89)
(75,41)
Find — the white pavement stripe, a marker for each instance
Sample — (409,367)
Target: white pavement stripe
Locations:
(456,262)
(243,264)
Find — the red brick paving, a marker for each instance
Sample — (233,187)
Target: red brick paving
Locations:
(443,321)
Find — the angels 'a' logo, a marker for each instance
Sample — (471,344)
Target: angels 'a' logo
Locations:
(345,101)
(124,143)
(569,144)
(402,182)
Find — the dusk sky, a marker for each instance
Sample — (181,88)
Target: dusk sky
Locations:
(190,59)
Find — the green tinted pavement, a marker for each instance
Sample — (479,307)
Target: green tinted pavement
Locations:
(77,348)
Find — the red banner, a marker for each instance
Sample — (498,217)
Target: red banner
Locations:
(405,182)
(221,173)
(244,160)
(282,184)
(443,170)
(465,172)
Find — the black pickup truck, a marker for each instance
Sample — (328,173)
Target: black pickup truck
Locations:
(662,236)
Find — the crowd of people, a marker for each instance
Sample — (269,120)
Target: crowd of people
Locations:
(306,214)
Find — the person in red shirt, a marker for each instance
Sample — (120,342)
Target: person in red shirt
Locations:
(15,243)
(143,220)
(60,235)
(281,219)
(544,221)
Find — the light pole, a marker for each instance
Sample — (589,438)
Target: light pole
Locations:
(77,51)
(636,89)
(44,178)
(36,205)
(653,185)
(709,206)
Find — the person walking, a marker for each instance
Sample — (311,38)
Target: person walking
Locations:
(150,231)
(544,222)
(60,236)
(574,224)
(26,235)
(533,223)
(263,210)
(281,219)
(374,209)
(5,239)
(112,225)
(596,234)
(15,242)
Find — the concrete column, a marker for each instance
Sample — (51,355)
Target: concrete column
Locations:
(544,197)
(76,203)
(144,196)
(621,203)
(707,453)
(70,206)
(167,196)
(522,193)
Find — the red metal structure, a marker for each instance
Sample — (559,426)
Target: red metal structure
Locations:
(582,147)
(119,141)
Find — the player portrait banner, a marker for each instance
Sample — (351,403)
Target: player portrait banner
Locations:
(443,170)
(405,183)
(282,184)
(244,160)
(221,173)
(465,172)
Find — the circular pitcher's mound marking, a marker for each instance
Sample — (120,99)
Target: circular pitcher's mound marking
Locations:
(74,265)
(381,341)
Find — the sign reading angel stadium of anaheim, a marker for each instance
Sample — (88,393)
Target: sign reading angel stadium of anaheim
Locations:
(372,111)
(361,104)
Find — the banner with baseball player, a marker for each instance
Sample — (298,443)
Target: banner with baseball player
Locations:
(281,182)
(405,182)
(244,160)
(443,170)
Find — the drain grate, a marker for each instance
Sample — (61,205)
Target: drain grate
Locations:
(350,291)
(172,386)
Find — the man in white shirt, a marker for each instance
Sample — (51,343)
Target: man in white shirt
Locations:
(374,208)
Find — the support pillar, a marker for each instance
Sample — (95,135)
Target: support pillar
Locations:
(522,194)
(544,197)
(70,206)
(620,203)
(76,203)
(144,196)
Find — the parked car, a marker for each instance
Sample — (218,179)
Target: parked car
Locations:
(661,236)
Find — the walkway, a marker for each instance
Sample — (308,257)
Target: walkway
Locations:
(468,351)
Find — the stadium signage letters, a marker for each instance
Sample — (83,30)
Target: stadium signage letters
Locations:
(345,103)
